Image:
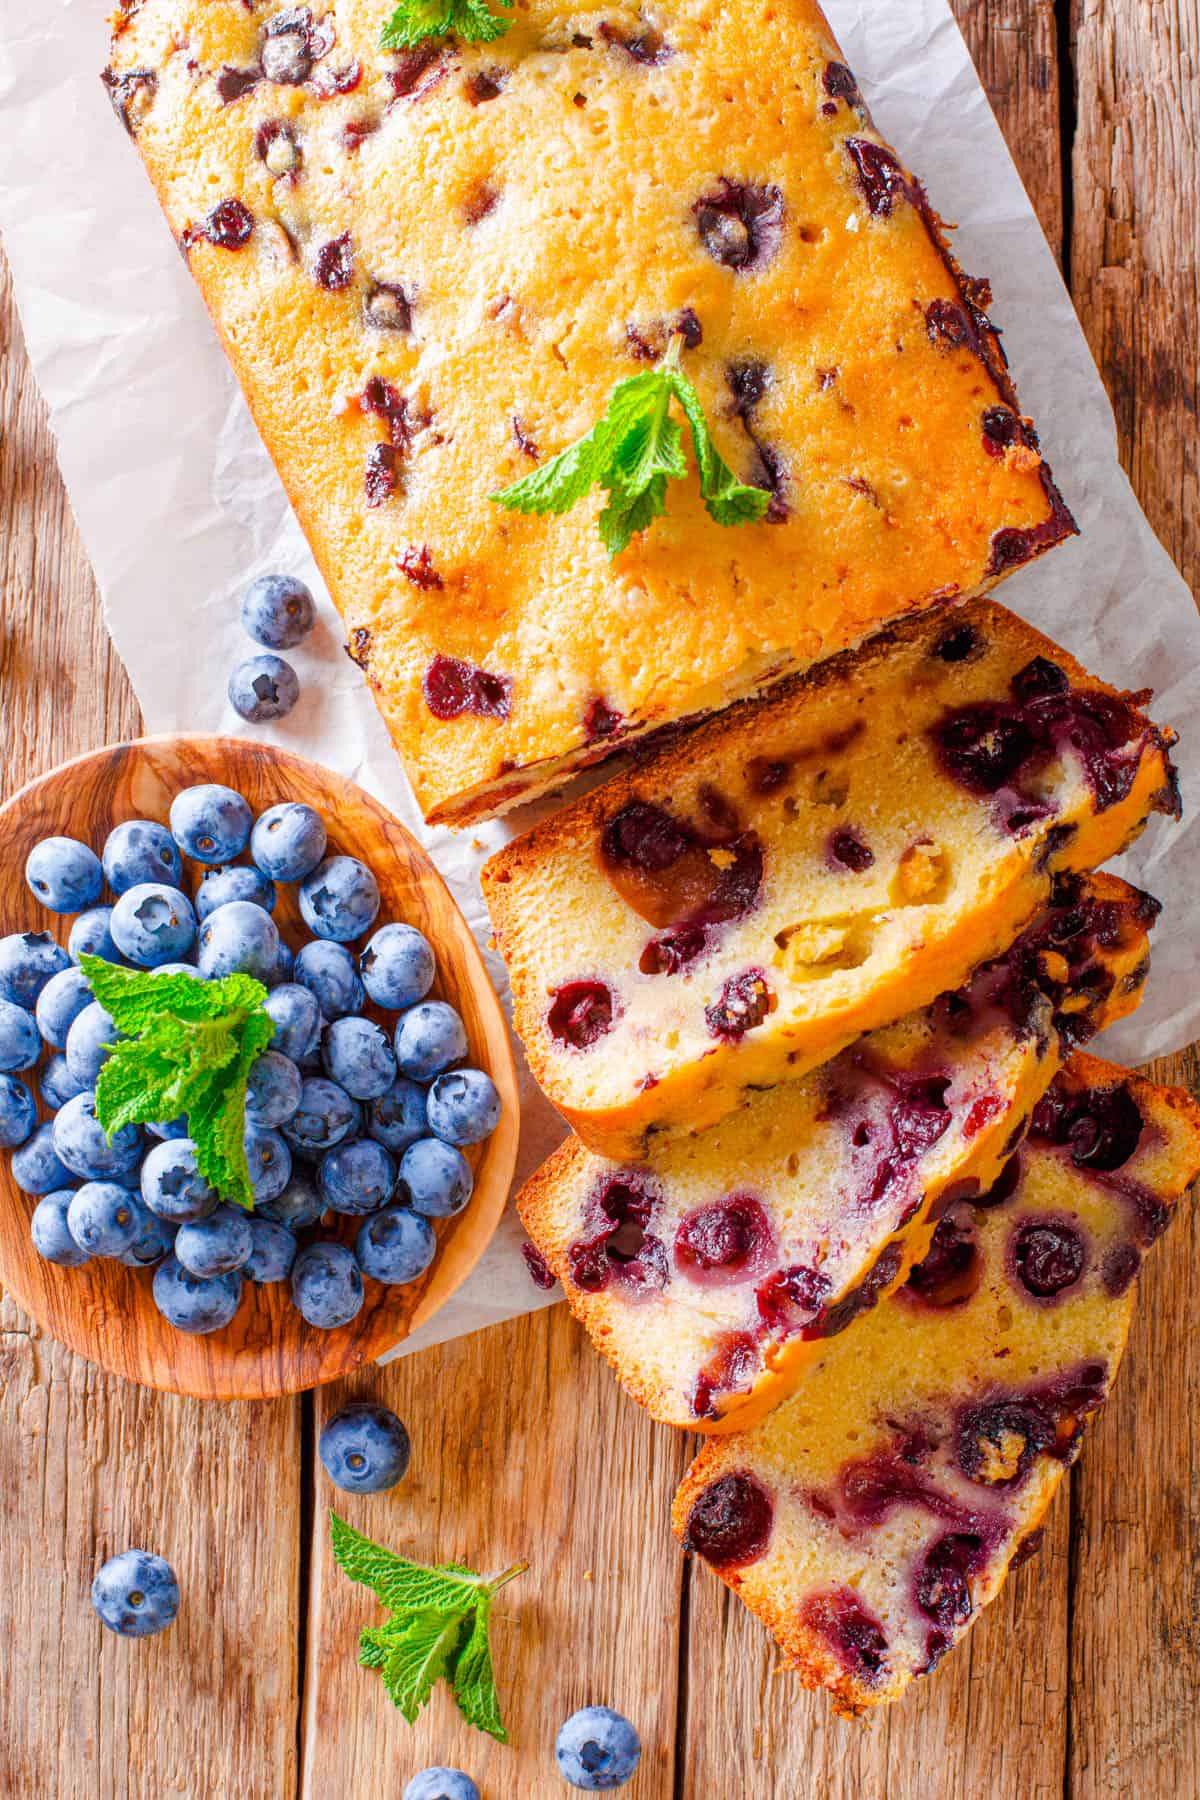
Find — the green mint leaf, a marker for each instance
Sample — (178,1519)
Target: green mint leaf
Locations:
(438,1629)
(187,1047)
(631,452)
(475,1679)
(728,500)
(472,21)
(397,1581)
(420,1656)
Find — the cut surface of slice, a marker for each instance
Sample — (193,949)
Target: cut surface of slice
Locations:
(714,1274)
(737,909)
(431,267)
(873,1514)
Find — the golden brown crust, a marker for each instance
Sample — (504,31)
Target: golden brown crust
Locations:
(880,363)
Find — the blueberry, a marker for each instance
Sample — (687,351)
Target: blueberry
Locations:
(88,1043)
(152,924)
(191,1304)
(441,1783)
(173,1187)
(36,1168)
(357,1055)
(327,1285)
(397,966)
(464,1107)
(273,1089)
(215,1245)
(139,851)
(236,882)
(154,1240)
(397,1119)
(20,1045)
(64,874)
(263,688)
(285,964)
(340,899)
(81,1143)
(297,1020)
(52,1235)
(288,841)
(429,1038)
(103,1218)
(59,1004)
(136,1594)
(299,1206)
(395,1246)
(210,823)
(18,1114)
(597,1749)
(365,1449)
(326,1114)
(356,1177)
(328,972)
(269,1161)
(58,1085)
(272,1252)
(278,611)
(239,938)
(90,936)
(169,1128)
(27,961)
(438,1178)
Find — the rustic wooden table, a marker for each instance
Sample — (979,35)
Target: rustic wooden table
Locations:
(1082,1679)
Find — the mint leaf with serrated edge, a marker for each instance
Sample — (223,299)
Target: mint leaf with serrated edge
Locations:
(471,21)
(632,451)
(439,1629)
(186,1046)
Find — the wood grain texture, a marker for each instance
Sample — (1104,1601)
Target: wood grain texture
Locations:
(90,1464)
(523,1446)
(1135,247)
(105,1311)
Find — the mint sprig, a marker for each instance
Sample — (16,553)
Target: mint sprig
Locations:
(439,1629)
(472,21)
(187,1046)
(632,451)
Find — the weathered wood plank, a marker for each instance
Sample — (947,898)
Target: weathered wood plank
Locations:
(523,1446)
(88,1464)
(1135,1651)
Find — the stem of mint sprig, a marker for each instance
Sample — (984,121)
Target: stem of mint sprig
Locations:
(186,1047)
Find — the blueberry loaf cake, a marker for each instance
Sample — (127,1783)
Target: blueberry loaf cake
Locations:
(714,1274)
(431,267)
(810,866)
(868,1520)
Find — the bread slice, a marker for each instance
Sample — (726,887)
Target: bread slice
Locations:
(430,268)
(738,908)
(873,1515)
(713,1276)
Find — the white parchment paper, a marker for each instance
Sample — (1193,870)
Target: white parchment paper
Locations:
(179,506)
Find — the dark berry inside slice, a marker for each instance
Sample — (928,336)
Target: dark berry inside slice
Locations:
(730,1522)
(851,1631)
(1048,1256)
(943,1590)
(453,687)
(581,1013)
(741,226)
(744,1002)
(725,1242)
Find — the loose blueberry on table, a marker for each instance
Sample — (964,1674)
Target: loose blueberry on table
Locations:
(597,1749)
(375,1138)
(136,1594)
(365,1449)
(441,1783)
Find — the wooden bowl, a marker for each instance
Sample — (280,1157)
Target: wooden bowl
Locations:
(105,1311)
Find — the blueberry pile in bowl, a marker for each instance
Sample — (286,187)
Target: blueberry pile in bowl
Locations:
(357,1110)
